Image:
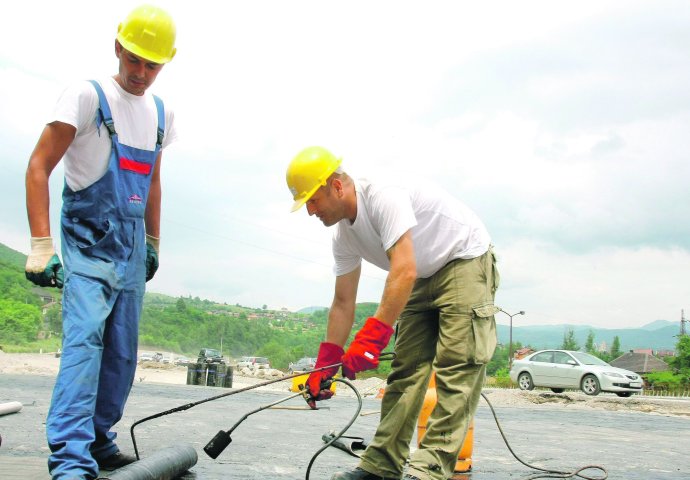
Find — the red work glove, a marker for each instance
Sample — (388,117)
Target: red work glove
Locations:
(329,354)
(365,349)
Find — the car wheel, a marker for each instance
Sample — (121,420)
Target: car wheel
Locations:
(590,385)
(624,394)
(558,390)
(525,381)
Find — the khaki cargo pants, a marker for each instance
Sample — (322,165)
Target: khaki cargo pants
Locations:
(447,326)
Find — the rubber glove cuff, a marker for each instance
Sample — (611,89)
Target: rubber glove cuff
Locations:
(42,251)
(329,354)
(43,267)
(155,242)
(366,348)
(152,246)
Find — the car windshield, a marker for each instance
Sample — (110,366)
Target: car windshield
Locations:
(587,359)
(212,353)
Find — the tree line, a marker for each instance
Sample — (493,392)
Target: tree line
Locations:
(184,325)
(21,304)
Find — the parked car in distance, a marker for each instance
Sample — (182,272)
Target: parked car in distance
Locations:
(210,355)
(182,361)
(150,357)
(302,365)
(561,369)
(253,362)
(146,357)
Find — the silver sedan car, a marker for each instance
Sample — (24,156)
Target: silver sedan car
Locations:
(561,369)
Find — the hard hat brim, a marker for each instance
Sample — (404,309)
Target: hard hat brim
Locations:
(297,205)
(146,54)
(301,201)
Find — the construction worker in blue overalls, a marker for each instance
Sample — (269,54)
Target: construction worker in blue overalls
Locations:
(110,134)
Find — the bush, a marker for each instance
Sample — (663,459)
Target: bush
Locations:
(501,378)
(665,380)
(19,322)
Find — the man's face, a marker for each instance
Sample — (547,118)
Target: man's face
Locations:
(136,74)
(325,205)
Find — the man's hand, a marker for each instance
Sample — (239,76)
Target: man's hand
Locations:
(365,349)
(43,266)
(329,354)
(152,246)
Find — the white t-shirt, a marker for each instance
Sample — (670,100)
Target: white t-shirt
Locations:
(443,228)
(136,124)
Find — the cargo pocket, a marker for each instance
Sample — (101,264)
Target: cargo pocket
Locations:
(484,330)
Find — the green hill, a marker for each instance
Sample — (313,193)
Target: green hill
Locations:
(21,315)
(309,310)
(11,257)
(13,283)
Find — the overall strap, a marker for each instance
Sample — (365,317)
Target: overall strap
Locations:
(104,115)
(161,121)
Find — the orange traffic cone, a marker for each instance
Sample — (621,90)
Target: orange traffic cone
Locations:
(464,463)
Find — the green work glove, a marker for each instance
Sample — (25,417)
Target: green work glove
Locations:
(152,246)
(43,266)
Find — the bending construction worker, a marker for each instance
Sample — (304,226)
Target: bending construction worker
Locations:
(111,134)
(440,288)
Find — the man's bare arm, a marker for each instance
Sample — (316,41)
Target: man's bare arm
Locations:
(342,313)
(400,280)
(52,145)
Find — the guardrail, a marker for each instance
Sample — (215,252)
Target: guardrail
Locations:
(677,393)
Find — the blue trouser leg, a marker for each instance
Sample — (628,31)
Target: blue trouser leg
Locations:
(69,426)
(117,370)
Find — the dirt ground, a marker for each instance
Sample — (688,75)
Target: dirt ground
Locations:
(48,364)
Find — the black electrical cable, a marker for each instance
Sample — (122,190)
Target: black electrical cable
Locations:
(187,406)
(342,432)
(548,473)
(222,439)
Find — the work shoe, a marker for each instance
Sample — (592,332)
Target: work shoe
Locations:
(358,474)
(115,461)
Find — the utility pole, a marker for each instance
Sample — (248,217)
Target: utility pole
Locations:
(682,323)
(510,348)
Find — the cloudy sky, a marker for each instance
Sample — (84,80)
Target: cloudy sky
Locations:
(564,125)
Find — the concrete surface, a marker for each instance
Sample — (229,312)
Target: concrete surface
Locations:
(280,443)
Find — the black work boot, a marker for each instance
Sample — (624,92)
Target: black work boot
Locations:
(359,474)
(115,461)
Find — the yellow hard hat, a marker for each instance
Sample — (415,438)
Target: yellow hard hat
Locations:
(309,171)
(148,32)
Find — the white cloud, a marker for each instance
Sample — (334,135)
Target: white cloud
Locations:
(612,287)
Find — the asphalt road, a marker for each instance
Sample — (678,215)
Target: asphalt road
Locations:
(280,443)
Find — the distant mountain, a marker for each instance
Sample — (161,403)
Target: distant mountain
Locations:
(310,310)
(657,324)
(551,336)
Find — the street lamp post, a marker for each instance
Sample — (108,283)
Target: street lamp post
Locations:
(510,342)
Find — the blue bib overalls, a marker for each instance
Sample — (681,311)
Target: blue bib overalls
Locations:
(104,253)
